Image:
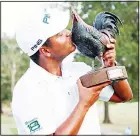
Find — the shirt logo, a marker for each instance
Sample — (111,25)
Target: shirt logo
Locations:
(33,125)
(45,19)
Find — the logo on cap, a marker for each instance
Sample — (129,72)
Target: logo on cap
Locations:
(45,19)
(37,43)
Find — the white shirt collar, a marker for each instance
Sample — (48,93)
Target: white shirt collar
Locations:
(46,75)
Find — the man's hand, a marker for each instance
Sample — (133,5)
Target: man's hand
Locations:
(110,55)
(88,96)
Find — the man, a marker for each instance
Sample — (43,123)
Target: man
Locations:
(49,99)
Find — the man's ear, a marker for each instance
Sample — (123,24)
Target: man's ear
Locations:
(45,51)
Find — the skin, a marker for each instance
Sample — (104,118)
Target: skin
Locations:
(51,58)
(122,88)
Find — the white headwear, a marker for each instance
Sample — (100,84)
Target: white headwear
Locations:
(38,25)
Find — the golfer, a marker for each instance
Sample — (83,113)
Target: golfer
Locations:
(49,98)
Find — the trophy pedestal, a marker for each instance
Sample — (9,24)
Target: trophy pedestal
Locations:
(103,75)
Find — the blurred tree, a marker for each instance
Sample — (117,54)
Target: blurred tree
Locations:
(106,113)
(13,65)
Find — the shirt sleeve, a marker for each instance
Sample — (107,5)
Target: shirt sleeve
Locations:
(106,93)
(35,112)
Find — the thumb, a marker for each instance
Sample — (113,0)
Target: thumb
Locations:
(79,82)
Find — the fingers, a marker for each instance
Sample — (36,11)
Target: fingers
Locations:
(79,83)
(110,46)
(113,41)
(109,63)
(110,56)
(96,95)
(110,52)
(101,86)
(96,86)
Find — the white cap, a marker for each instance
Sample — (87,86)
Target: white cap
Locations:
(37,26)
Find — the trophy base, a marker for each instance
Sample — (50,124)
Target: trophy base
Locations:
(103,75)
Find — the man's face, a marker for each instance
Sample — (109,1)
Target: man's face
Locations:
(61,45)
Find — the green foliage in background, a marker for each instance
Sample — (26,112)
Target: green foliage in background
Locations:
(13,64)
(127,42)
